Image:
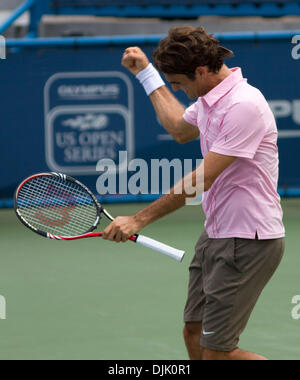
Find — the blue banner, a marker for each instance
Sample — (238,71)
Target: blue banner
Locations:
(64,109)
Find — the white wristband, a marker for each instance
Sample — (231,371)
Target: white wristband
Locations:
(150,79)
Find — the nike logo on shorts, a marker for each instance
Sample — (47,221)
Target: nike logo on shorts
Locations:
(207,332)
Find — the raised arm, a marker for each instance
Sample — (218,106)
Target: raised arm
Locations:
(168,109)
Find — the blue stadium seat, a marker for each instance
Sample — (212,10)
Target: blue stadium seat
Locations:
(165,9)
(88,3)
(176,8)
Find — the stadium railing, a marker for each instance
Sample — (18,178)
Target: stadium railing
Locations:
(176,9)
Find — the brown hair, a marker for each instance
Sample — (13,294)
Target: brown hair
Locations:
(185,48)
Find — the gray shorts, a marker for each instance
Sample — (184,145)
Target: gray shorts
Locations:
(226,279)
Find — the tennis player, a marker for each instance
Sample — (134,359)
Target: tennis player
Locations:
(243,240)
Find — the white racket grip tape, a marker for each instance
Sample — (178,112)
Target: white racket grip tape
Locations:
(160,247)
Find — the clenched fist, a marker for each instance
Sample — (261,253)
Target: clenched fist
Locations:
(135,60)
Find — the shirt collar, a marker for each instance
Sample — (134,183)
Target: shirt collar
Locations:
(225,86)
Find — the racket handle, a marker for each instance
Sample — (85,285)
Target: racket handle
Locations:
(160,247)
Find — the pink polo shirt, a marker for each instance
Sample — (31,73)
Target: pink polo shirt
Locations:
(234,119)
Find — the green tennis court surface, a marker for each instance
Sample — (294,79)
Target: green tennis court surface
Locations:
(93,299)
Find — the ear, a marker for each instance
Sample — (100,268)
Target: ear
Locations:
(201,71)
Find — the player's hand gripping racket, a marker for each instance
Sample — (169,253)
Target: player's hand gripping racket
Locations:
(59,207)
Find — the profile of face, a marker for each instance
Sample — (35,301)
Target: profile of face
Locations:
(193,88)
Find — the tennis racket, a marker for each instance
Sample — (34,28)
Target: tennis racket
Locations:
(59,207)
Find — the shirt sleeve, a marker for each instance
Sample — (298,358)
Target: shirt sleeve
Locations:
(242,131)
(191,114)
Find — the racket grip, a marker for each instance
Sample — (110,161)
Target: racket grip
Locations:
(160,247)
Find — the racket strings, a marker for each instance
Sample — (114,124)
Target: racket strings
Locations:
(60,208)
(52,207)
(52,210)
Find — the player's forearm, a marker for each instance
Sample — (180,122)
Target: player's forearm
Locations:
(160,208)
(169,110)
(192,185)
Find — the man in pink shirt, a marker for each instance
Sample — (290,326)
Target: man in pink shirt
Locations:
(243,240)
